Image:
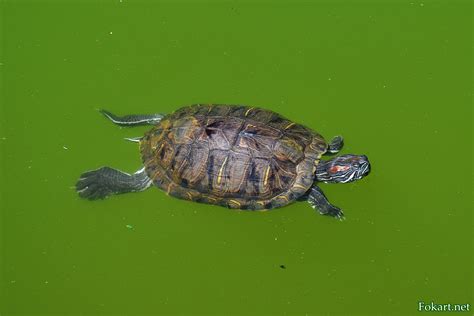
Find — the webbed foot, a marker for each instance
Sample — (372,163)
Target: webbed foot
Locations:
(100,183)
(318,200)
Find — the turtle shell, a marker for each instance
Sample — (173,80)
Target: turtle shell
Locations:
(236,156)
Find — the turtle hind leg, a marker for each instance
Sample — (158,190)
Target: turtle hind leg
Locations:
(318,200)
(133,119)
(336,145)
(105,181)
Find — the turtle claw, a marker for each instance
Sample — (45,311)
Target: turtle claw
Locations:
(92,192)
(333,211)
(91,185)
(340,217)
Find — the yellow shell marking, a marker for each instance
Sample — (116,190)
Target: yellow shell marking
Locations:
(299,186)
(248,111)
(168,189)
(190,196)
(156,175)
(289,125)
(221,170)
(267,173)
(282,197)
(235,202)
(161,147)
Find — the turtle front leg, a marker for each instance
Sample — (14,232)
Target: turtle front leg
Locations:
(133,119)
(335,145)
(100,183)
(318,200)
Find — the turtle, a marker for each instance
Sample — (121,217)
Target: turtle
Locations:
(237,156)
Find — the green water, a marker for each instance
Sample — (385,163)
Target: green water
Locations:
(395,79)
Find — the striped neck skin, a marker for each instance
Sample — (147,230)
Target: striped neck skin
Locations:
(343,169)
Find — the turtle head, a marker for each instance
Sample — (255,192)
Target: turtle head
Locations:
(343,169)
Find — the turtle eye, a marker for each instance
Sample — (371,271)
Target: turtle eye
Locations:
(355,165)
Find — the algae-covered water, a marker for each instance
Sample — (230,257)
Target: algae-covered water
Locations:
(394,78)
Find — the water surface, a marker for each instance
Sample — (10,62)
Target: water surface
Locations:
(395,79)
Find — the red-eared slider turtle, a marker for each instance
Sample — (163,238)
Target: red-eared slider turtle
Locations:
(236,156)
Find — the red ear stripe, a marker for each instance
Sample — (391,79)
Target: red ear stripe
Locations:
(335,169)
